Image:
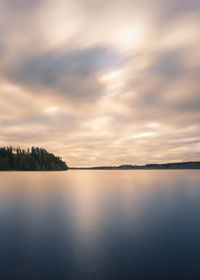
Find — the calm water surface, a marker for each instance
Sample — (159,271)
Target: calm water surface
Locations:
(108,225)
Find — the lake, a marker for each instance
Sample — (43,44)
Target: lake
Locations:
(100,225)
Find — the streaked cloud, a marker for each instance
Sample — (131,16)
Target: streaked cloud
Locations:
(101,82)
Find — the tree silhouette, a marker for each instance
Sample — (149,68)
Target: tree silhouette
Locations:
(30,159)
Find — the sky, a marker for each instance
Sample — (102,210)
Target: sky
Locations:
(101,82)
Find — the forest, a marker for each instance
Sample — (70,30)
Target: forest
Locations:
(30,159)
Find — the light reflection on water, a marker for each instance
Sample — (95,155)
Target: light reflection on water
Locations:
(100,225)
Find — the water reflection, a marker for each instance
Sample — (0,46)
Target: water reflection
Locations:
(100,225)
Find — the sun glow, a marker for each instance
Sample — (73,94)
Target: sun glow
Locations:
(128,37)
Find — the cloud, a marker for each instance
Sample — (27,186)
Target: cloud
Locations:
(101,82)
(72,74)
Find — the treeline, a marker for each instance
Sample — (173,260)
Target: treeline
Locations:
(176,165)
(30,159)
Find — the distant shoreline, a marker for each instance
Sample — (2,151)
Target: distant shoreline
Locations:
(163,166)
(131,169)
(83,168)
